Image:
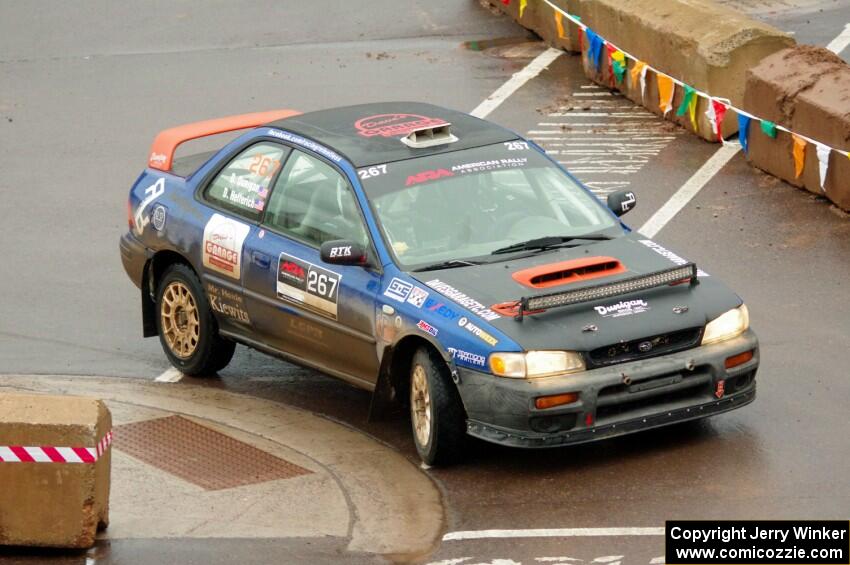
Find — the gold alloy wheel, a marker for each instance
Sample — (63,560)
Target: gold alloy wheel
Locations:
(179,316)
(420,403)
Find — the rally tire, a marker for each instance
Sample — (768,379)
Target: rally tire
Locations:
(187,329)
(442,443)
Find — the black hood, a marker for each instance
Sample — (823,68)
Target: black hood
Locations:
(620,318)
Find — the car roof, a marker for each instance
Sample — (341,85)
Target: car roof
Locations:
(370,134)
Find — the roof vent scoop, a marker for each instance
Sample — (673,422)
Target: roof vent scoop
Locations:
(429,137)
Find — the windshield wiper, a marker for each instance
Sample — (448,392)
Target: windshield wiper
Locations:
(548,242)
(450,264)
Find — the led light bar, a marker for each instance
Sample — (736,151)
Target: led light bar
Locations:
(675,275)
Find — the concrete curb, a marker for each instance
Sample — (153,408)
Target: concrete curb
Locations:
(393,508)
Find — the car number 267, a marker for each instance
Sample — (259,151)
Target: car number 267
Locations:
(321,284)
(372,171)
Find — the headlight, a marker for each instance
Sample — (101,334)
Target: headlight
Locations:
(731,324)
(535,364)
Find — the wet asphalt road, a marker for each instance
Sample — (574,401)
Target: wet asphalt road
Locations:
(86,86)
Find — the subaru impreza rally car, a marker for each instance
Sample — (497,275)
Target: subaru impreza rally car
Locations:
(440,261)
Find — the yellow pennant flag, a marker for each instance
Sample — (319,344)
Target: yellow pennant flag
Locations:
(635,72)
(522,4)
(799,155)
(665,93)
(559,23)
(692,111)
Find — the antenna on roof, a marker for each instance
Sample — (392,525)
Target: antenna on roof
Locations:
(429,137)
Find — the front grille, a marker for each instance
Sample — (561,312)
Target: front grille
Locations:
(644,348)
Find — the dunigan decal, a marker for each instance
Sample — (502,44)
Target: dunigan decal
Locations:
(476,331)
(427,328)
(222,246)
(675,259)
(228,302)
(392,125)
(466,357)
(307,284)
(469,303)
(624,308)
(398,290)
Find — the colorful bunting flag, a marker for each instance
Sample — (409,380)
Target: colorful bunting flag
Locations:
(506,2)
(692,111)
(799,153)
(666,89)
(769,128)
(686,100)
(715,114)
(559,23)
(594,48)
(618,64)
(639,70)
(823,152)
(744,132)
(522,5)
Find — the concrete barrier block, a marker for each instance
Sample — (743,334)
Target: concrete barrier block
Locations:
(54,470)
(540,18)
(807,90)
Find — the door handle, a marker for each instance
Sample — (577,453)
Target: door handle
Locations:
(260,259)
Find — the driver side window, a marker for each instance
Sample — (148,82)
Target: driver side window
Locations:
(313,203)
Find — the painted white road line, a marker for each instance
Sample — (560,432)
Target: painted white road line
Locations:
(841,42)
(172,375)
(552,533)
(502,93)
(688,190)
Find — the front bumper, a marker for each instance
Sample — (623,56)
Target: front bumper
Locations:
(614,400)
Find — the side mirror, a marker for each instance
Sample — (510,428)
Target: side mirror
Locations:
(342,252)
(621,201)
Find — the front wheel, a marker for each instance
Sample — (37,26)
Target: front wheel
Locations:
(187,329)
(436,411)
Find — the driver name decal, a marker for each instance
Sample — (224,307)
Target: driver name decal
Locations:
(308,285)
(222,246)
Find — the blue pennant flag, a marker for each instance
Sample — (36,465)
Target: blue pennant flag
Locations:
(594,48)
(744,131)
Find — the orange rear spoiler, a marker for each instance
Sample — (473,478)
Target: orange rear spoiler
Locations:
(166,142)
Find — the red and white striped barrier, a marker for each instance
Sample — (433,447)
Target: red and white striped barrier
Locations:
(48,454)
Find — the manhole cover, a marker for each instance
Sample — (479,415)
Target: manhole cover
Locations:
(200,455)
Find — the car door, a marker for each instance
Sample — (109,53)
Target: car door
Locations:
(319,313)
(237,195)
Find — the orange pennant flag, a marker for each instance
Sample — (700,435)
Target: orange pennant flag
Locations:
(559,23)
(799,155)
(636,69)
(665,93)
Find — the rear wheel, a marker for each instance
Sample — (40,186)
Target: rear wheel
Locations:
(187,330)
(436,411)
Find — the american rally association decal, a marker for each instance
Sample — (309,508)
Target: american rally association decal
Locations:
(624,308)
(222,246)
(392,125)
(307,284)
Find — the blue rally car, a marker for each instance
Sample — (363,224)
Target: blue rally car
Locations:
(439,261)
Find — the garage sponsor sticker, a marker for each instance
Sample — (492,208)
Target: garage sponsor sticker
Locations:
(623,308)
(675,259)
(308,285)
(222,245)
(392,125)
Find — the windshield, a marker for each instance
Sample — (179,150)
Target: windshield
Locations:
(470,203)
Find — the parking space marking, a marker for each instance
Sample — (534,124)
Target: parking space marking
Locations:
(171,375)
(552,533)
(841,42)
(513,84)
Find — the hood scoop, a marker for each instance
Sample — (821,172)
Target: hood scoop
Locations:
(566,272)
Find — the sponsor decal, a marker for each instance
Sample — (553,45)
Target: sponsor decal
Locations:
(720,390)
(228,303)
(373,171)
(222,245)
(427,328)
(306,330)
(476,331)
(340,251)
(157,158)
(467,357)
(469,303)
(417,296)
(490,165)
(158,217)
(434,305)
(623,308)
(152,192)
(392,125)
(304,142)
(398,290)
(675,259)
(626,204)
(308,285)
(425,176)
